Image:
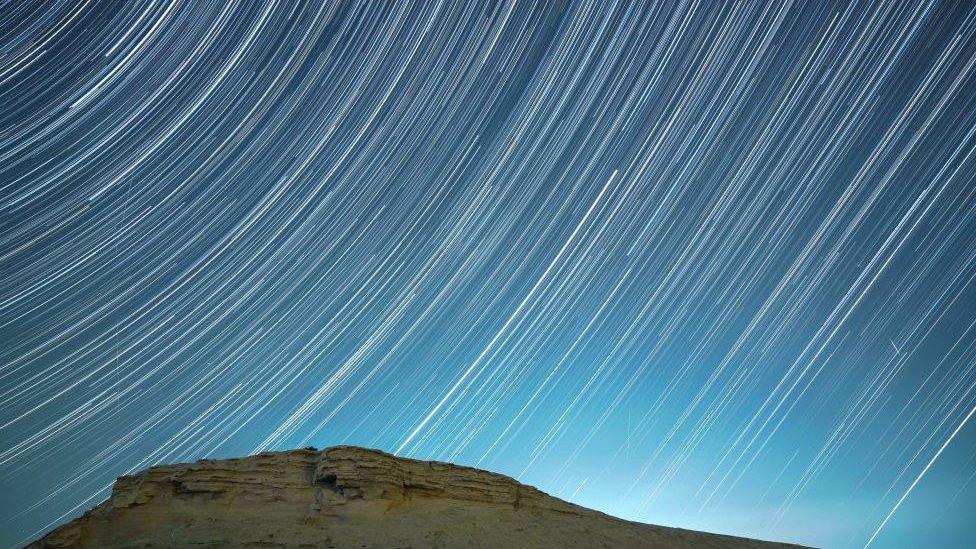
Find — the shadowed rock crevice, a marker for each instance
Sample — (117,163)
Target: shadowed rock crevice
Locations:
(350,497)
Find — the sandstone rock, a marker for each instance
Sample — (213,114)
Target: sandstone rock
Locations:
(350,497)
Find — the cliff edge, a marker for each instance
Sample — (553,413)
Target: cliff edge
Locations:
(350,497)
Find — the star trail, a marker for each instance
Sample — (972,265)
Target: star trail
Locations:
(701,264)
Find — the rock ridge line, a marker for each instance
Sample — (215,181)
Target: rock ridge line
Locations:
(345,496)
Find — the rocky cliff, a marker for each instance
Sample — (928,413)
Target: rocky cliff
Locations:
(350,497)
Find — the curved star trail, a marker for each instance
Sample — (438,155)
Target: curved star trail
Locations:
(695,263)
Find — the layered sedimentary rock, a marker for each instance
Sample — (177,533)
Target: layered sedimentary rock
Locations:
(350,497)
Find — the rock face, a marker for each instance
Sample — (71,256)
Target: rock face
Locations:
(350,497)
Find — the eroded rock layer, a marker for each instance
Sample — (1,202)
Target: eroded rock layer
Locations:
(350,497)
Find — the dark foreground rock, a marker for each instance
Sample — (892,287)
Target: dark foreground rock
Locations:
(351,497)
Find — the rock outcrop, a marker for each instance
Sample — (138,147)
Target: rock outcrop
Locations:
(350,497)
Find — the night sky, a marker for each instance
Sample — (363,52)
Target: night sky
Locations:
(702,264)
